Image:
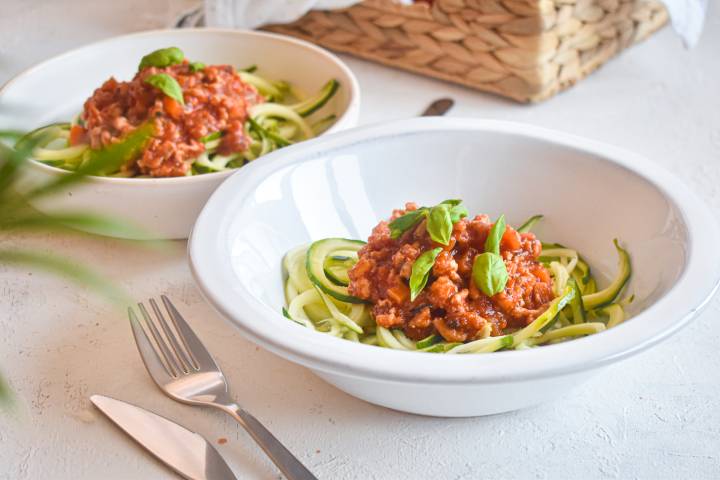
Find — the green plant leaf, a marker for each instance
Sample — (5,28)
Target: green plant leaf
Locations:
(11,159)
(492,243)
(421,271)
(196,66)
(407,221)
(162,58)
(168,85)
(489,273)
(65,268)
(99,224)
(440,224)
(457,212)
(6,396)
(102,162)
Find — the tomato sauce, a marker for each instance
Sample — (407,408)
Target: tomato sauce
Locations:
(450,305)
(216,100)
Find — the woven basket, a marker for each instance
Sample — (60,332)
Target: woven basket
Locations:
(527,50)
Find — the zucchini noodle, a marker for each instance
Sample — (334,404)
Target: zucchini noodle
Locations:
(283,119)
(316,296)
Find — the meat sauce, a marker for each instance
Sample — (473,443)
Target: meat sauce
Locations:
(216,100)
(450,305)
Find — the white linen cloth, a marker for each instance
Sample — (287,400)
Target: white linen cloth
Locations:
(687,15)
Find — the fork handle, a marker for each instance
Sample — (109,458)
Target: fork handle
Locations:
(281,456)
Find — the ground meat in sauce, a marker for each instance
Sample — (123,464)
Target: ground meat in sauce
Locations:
(450,304)
(216,99)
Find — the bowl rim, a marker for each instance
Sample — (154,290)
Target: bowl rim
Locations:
(681,303)
(348,116)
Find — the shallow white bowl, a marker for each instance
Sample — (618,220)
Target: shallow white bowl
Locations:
(343,184)
(56,89)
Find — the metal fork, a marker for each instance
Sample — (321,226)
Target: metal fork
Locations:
(182,367)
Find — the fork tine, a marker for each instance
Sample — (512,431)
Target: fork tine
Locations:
(160,342)
(192,343)
(154,365)
(185,363)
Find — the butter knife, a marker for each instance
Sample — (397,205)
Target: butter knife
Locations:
(186,452)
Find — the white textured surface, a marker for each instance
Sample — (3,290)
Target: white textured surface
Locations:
(653,416)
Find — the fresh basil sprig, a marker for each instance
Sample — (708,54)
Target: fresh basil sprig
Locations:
(440,220)
(457,212)
(407,221)
(162,58)
(492,243)
(168,85)
(489,271)
(196,66)
(421,271)
(440,224)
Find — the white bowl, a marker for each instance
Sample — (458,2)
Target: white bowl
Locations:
(343,184)
(56,89)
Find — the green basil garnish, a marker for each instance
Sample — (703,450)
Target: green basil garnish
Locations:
(162,58)
(168,85)
(492,243)
(196,66)
(407,221)
(439,230)
(489,273)
(457,212)
(421,271)
(440,224)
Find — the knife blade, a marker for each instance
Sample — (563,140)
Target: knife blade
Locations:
(186,452)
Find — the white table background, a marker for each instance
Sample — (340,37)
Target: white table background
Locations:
(653,416)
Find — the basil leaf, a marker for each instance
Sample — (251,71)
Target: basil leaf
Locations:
(492,243)
(405,222)
(457,212)
(421,271)
(489,273)
(453,202)
(168,85)
(439,224)
(196,66)
(162,58)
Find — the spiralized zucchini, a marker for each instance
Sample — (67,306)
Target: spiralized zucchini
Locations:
(283,119)
(317,298)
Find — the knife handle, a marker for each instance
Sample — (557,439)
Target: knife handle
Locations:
(281,456)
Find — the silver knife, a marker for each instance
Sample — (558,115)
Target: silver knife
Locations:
(186,452)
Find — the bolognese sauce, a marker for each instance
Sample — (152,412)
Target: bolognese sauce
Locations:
(451,304)
(215,100)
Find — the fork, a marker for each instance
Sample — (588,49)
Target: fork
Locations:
(185,371)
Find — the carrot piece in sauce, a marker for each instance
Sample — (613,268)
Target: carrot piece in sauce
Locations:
(172,108)
(77,135)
